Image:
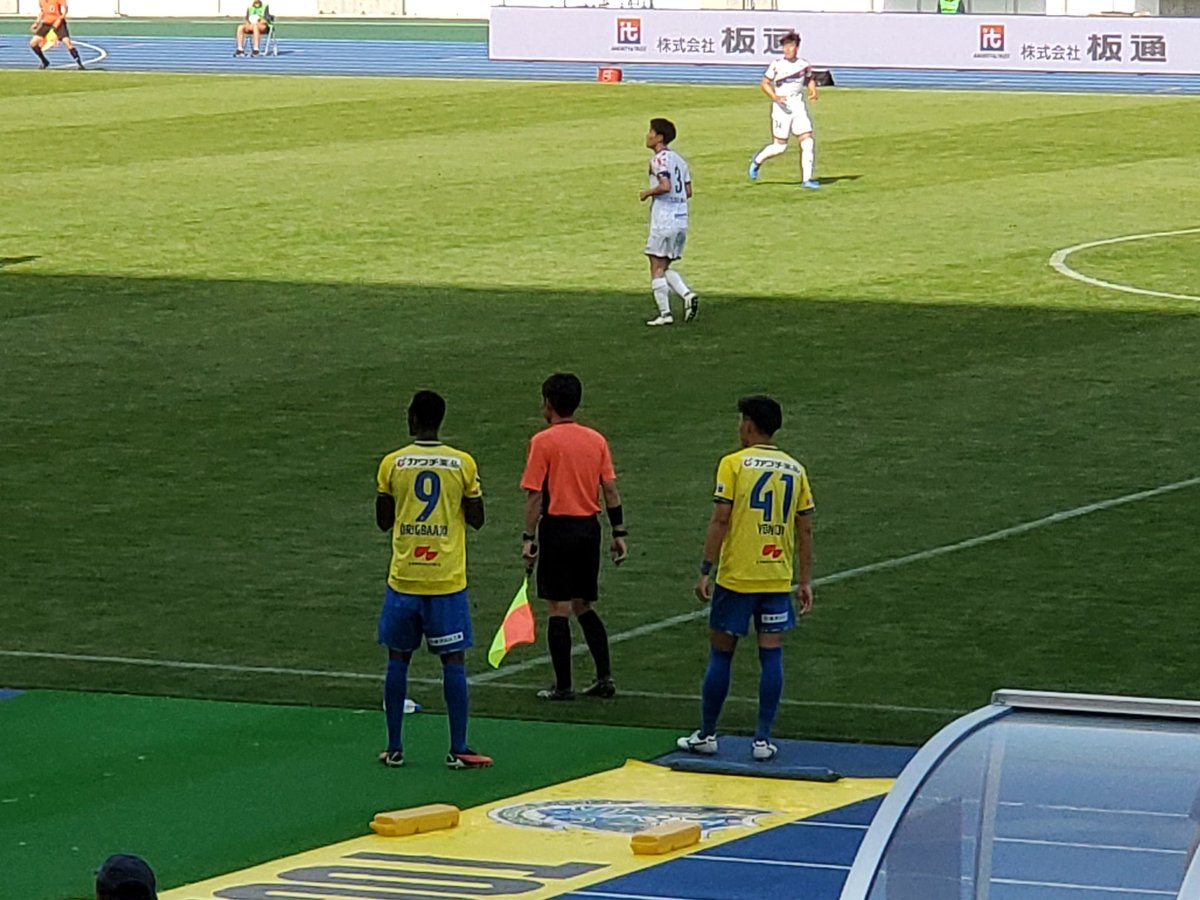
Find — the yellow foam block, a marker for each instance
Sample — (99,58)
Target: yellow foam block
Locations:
(417,820)
(664,838)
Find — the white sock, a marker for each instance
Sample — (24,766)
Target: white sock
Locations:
(807,158)
(662,295)
(678,285)
(772,149)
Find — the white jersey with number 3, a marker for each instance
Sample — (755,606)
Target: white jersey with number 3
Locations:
(669,210)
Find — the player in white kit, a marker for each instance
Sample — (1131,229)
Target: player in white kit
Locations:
(669,192)
(785,82)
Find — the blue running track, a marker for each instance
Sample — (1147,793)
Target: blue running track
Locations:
(444,59)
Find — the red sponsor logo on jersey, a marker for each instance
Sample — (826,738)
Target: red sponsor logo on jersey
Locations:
(426,553)
(772,550)
(629,30)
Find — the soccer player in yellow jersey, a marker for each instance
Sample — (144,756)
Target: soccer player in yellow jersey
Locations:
(428,494)
(762,519)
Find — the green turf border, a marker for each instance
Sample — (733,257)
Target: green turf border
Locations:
(202,787)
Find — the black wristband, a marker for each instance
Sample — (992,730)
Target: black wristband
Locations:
(616,516)
(706,567)
(620,532)
(526,536)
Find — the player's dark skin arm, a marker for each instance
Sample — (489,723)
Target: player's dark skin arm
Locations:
(473,511)
(385,511)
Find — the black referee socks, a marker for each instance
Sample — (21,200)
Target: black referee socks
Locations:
(597,640)
(558,637)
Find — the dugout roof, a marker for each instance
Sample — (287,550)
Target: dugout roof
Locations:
(1042,796)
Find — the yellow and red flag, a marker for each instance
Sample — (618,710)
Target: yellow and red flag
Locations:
(517,627)
(51,40)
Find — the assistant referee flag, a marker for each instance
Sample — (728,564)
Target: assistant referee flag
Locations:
(517,627)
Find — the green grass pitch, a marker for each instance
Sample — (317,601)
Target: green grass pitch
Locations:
(217,295)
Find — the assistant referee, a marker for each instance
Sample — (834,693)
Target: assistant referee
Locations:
(568,468)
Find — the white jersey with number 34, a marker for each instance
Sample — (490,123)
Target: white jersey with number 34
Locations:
(789,78)
(669,210)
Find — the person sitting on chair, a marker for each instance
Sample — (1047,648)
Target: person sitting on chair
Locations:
(258,23)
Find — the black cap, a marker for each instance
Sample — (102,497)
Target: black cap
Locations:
(126,877)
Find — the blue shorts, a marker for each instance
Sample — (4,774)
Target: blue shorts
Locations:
(444,621)
(731,612)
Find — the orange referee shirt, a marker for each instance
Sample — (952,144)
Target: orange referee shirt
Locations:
(53,11)
(567,462)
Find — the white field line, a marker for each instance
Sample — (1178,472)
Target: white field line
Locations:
(490,678)
(187,665)
(1058,261)
(883,565)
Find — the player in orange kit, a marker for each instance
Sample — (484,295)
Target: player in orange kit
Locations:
(52,17)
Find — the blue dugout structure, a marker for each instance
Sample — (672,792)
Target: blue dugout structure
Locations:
(1043,796)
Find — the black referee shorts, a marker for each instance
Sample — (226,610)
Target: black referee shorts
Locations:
(568,566)
(62,31)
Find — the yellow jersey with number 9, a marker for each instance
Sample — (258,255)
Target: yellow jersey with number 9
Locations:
(429,481)
(767,490)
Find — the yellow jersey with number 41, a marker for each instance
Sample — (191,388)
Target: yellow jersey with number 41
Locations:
(429,481)
(767,490)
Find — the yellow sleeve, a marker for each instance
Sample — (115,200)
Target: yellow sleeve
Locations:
(472,489)
(383,479)
(726,479)
(804,499)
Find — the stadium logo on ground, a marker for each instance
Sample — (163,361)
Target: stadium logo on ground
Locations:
(629,31)
(622,816)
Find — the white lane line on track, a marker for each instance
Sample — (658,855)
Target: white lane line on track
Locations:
(101,56)
(883,565)
(702,857)
(1058,261)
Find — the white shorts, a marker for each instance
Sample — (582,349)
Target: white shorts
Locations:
(667,241)
(786,121)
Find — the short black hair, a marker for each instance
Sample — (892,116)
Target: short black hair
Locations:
(764,412)
(128,891)
(664,128)
(792,37)
(563,391)
(427,410)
